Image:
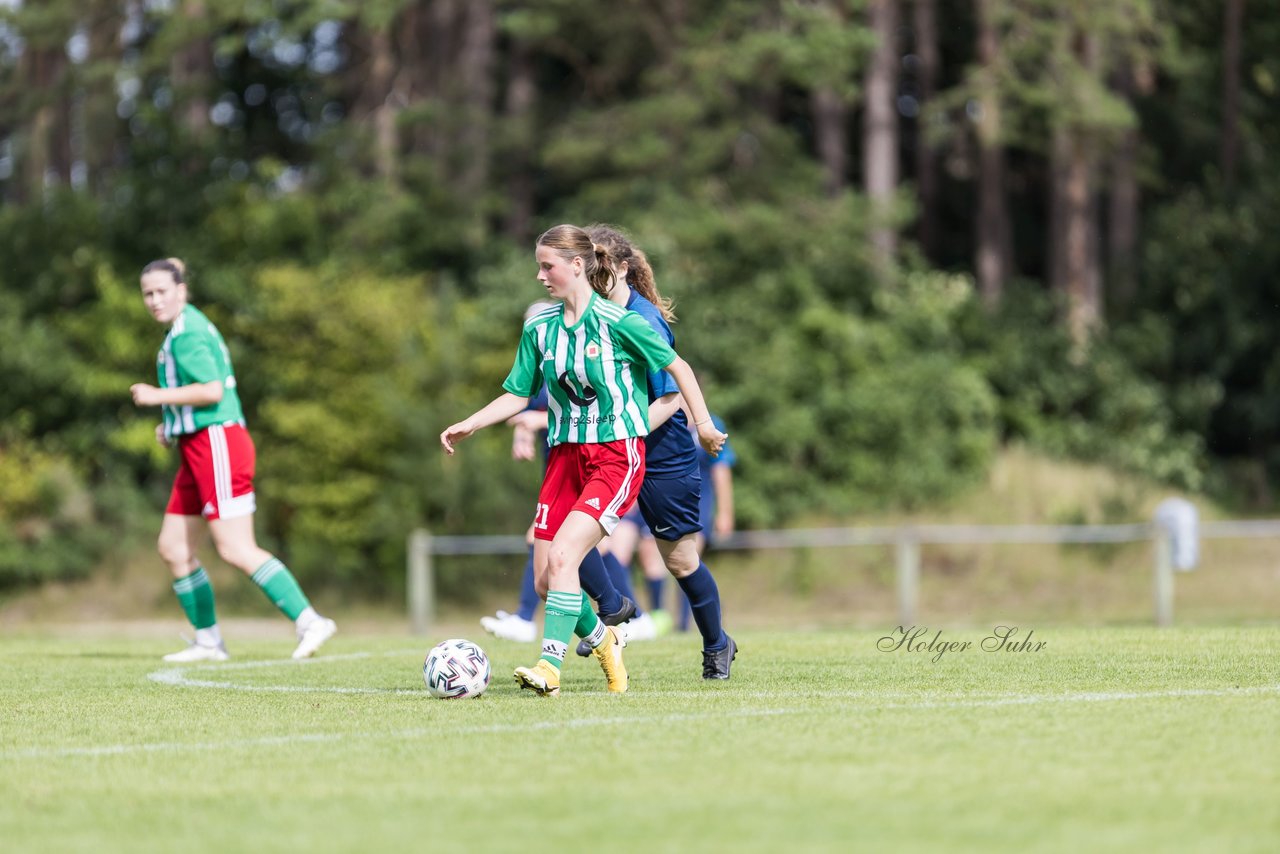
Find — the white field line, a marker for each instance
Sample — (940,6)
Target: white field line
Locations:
(413,732)
(175,676)
(917,700)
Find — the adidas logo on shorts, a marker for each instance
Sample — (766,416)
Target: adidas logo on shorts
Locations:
(593,502)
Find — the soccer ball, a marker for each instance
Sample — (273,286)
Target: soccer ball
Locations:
(456,668)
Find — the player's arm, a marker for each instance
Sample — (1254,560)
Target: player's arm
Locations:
(200,378)
(708,434)
(722,485)
(499,409)
(529,419)
(523,446)
(661,410)
(641,338)
(525,426)
(196,394)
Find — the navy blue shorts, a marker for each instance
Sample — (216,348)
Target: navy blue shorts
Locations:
(670,505)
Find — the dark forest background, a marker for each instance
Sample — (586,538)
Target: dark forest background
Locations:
(899,235)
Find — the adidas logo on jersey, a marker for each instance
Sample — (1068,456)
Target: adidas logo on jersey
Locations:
(593,502)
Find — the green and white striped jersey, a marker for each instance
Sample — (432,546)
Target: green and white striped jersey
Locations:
(194,352)
(596,371)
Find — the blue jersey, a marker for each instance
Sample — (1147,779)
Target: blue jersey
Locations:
(669,450)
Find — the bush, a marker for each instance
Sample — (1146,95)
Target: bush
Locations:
(1089,404)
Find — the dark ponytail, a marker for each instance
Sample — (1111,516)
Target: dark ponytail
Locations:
(621,250)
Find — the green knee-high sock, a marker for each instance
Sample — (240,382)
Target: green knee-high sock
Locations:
(589,627)
(562,614)
(281,588)
(195,594)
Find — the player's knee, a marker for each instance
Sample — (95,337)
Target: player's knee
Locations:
(176,552)
(681,567)
(238,555)
(557,559)
(683,560)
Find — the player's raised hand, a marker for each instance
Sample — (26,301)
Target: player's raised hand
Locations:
(455,434)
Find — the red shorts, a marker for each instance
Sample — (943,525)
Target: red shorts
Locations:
(215,479)
(600,479)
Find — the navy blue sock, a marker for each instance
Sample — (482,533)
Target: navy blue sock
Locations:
(655,586)
(621,578)
(529,600)
(597,584)
(704,601)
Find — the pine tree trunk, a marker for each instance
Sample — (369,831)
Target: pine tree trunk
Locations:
(880,129)
(830,119)
(101,126)
(521,99)
(1077,256)
(994,237)
(1122,216)
(926,41)
(43,68)
(1055,263)
(475,67)
(378,93)
(1074,255)
(386,140)
(191,73)
(1232,23)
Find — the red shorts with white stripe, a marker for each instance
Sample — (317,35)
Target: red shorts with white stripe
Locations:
(216,476)
(600,479)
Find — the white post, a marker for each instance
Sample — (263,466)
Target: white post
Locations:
(421,584)
(1163,547)
(907,550)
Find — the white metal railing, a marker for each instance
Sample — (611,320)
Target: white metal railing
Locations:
(905,539)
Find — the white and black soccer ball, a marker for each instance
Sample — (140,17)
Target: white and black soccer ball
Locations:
(456,668)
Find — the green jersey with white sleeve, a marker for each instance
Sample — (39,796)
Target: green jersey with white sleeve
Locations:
(596,371)
(194,352)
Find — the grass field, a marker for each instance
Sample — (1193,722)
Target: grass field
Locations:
(1105,739)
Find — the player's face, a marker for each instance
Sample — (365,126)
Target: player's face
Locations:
(558,276)
(164,297)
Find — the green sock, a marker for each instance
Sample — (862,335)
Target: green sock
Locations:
(195,594)
(589,627)
(281,588)
(562,614)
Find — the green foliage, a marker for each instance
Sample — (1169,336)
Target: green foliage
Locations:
(840,393)
(366,315)
(1205,324)
(70,345)
(1091,405)
(52,526)
(327,365)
